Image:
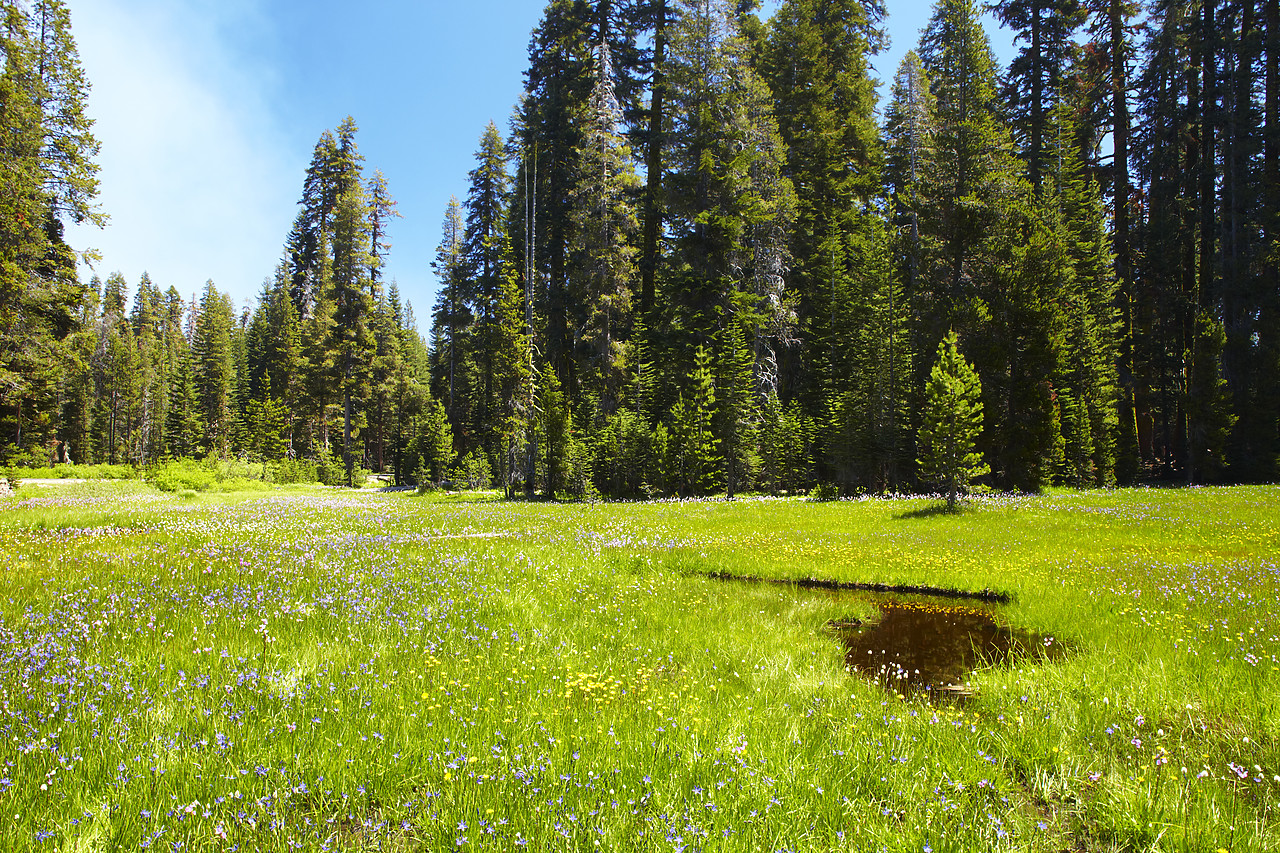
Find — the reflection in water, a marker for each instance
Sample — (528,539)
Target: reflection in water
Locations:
(932,648)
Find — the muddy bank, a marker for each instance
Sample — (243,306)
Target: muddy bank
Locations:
(985,595)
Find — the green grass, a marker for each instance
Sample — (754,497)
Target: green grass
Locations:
(329,669)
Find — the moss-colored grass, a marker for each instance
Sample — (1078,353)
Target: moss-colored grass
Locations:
(357,670)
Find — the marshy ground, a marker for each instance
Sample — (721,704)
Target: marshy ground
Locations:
(324,669)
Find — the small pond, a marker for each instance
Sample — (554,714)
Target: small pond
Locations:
(932,646)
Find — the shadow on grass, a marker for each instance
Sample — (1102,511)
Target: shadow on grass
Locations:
(934,510)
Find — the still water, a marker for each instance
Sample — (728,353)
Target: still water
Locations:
(932,647)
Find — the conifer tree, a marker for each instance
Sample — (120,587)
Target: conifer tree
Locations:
(47,146)
(76,421)
(352,341)
(484,243)
(452,317)
(214,369)
(182,428)
(557,87)
(152,396)
(693,450)
(116,376)
(815,62)
(512,370)
(952,423)
(1038,73)
(991,269)
(603,259)
(731,205)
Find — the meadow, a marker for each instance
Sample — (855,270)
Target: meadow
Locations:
(322,669)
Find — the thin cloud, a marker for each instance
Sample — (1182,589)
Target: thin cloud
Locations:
(196,177)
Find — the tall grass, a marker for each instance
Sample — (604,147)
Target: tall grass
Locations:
(346,670)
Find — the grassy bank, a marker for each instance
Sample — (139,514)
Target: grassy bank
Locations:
(338,670)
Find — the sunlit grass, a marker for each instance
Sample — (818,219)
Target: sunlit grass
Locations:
(324,669)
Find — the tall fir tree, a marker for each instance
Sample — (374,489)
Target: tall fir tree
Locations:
(484,243)
(603,259)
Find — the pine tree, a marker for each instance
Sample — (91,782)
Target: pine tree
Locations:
(382,209)
(452,316)
(512,373)
(736,417)
(952,423)
(816,65)
(47,146)
(1112,48)
(1038,73)
(214,369)
(115,362)
(693,451)
(909,128)
(76,420)
(153,394)
(351,341)
(182,429)
(558,86)
(991,269)
(603,260)
(484,243)
(1088,386)
(731,204)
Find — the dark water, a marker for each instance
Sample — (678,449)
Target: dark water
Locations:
(932,648)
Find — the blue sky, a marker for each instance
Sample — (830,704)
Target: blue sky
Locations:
(207,111)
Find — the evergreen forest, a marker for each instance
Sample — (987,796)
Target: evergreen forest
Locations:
(709,254)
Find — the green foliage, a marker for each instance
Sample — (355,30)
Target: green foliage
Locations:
(824,492)
(786,436)
(693,460)
(624,463)
(805,260)
(472,472)
(431,451)
(329,469)
(1209,415)
(79,472)
(175,474)
(952,423)
(293,471)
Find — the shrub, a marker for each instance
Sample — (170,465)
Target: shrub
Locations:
(294,471)
(824,492)
(624,456)
(329,470)
(472,471)
(178,474)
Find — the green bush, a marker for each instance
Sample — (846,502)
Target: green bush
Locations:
(237,469)
(329,470)
(35,457)
(293,471)
(182,474)
(472,472)
(81,472)
(624,463)
(824,492)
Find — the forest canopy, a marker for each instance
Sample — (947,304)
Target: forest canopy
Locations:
(707,256)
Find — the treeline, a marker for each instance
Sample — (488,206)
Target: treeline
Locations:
(698,262)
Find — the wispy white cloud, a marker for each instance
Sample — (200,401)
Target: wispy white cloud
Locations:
(198,178)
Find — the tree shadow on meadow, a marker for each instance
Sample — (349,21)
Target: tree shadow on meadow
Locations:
(932,511)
